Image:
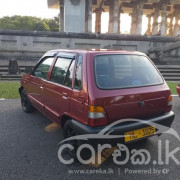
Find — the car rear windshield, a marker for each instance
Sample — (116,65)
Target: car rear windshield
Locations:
(123,71)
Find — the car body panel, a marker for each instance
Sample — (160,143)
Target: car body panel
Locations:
(36,92)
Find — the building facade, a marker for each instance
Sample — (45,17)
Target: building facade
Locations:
(76,15)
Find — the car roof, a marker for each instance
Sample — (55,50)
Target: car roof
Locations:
(96,51)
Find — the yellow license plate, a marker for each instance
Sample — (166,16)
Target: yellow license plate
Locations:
(139,133)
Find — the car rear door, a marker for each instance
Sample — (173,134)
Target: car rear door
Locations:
(58,88)
(79,98)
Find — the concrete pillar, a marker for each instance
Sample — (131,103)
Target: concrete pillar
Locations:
(74,15)
(155,19)
(171,25)
(110,27)
(98,12)
(177,18)
(115,16)
(134,18)
(140,6)
(167,26)
(61,15)
(176,26)
(163,16)
(119,17)
(89,16)
(98,22)
(148,32)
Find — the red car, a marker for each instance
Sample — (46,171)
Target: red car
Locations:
(178,89)
(86,90)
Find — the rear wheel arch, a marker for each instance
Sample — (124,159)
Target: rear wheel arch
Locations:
(64,119)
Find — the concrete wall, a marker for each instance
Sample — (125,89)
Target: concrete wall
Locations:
(32,45)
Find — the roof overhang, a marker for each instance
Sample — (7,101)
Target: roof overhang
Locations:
(53,4)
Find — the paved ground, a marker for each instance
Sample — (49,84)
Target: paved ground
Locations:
(27,151)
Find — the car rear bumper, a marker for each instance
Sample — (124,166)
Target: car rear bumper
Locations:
(178,90)
(165,120)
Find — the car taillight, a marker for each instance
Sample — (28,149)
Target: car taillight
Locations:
(97,116)
(170,100)
(169,106)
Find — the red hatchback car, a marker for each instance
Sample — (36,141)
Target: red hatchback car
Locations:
(86,90)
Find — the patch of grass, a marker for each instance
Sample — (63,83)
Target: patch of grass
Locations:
(9,90)
(172,86)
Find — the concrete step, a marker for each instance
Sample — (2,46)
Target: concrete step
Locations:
(3,69)
(168,66)
(6,67)
(171,74)
(11,76)
(21,66)
(173,78)
(169,70)
(10,79)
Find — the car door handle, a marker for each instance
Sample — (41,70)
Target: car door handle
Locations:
(64,94)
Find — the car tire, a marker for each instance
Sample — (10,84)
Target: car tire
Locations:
(25,103)
(144,140)
(68,131)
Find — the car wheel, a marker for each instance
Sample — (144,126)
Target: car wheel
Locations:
(68,131)
(25,103)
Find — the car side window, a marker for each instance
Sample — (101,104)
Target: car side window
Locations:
(69,75)
(41,71)
(78,74)
(60,70)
